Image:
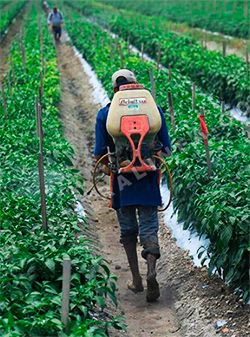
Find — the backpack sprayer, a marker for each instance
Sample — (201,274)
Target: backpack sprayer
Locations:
(133,122)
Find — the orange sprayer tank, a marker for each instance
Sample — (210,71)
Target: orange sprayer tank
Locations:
(130,101)
(133,122)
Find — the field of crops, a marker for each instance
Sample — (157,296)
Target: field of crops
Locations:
(39,225)
(197,195)
(31,258)
(225,16)
(8,13)
(225,77)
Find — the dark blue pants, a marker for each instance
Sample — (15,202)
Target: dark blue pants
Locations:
(142,221)
(57,32)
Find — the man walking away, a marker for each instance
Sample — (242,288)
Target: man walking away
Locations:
(45,7)
(55,19)
(136,200)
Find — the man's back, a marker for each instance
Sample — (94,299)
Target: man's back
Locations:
(135,197)
(55,18)
(131,188)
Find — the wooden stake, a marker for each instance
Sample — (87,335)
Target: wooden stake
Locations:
(246,9)
(207,6)
(171,109)
(121,56)
(116,44)
(94,39)
(66,291)
(41,45)
(41,164)
(142,50)
(235,4)
(158,58)
(204,41)
(41,84)
(193,96)
(128,42)
(43,66)
(224,48)
(169,73)
(152,82)
(221,9)
(247,55)
(40,33)
(13,70)
(224,7)
(4,101)
(111,48)
(9,83)
(215,5)
(248,131)
(247,60)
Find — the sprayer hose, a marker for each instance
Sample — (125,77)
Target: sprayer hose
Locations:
(170,179)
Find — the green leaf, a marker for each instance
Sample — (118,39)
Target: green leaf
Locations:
(50,264)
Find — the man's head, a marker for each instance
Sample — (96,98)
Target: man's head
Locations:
(55,9)
(122,77)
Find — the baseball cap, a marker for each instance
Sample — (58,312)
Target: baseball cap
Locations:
(129,75)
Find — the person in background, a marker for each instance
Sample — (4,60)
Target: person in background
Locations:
(45,7)
(136,200)
(55,20)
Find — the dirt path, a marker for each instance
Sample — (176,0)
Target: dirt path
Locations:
(214,42)
(213,45)
(190,303)
(5,43)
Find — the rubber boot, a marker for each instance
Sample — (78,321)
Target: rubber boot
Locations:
(153,291)
(136,285)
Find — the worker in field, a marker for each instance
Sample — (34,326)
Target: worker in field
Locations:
(45,7)
(55,20)
(135,195)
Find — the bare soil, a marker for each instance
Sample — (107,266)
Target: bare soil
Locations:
(213,45)
(190,302)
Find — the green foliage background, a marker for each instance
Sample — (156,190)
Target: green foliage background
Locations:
(229,17)
(31,259)
(227,78)
(217,206)
(9,9)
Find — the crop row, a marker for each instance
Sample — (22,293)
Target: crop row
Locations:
(3,3)
(213,205)
(228,17)
(8,15)
(225,77)
(31,258)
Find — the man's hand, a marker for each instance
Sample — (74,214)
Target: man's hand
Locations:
(104,165)
(105,169)
(164,154)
